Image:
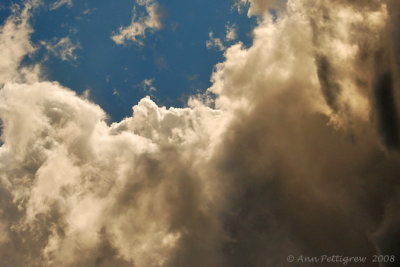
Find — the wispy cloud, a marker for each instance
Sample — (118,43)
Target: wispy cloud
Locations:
(64,48)
(148,86)
(15,44)
(60,3)
(231,34)
(136,31)
(214,42)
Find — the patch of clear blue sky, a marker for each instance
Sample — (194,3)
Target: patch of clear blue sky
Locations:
(176,57)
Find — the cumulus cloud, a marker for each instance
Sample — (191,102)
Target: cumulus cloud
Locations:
(136,31)
(299,155)
(312,87)
(124,188)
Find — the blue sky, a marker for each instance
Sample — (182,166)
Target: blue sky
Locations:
(170,65)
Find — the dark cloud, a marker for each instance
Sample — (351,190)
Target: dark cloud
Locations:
(303,188)
(387,111)
(329,87)
(299,184)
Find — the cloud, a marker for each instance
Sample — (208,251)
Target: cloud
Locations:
(136,31)
(148,86)
(15,44)
(231,34)
(59,3)
(214,42)
(75,189)
(298,155)
(259,7)
(115,92)
(64,49)
(310,151)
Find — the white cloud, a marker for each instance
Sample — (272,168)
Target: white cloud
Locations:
(136,31)
(15,43)
(214,42)
(63,48)
(63,131)
(60,3)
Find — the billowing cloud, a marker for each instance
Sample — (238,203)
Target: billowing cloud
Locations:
(314,143)
(122,188)
(299,155)
(136,31)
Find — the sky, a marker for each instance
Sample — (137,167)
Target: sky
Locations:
(149,133)
(170,62)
